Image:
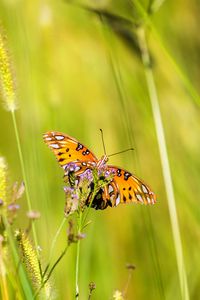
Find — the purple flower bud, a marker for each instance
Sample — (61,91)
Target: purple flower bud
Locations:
(13,207)
(87,175)
(33,215)
(71,167)
(70,192)
(68,189)
(110,172)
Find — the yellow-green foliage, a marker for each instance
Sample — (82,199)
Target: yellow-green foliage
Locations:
(77,75)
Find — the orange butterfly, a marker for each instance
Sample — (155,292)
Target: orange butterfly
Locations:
(75,157)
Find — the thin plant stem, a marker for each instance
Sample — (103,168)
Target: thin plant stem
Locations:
(130,274)
(78,255)
(187,83)
(53,245)
(24,174)
(51,271)
(25,284)
(3,282)
(165,163)
(56,237)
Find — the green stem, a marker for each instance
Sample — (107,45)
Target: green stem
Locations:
(56,237)
(165,163)
(53,246)
(78,255)
(24,174)
(51,271)
(22,275)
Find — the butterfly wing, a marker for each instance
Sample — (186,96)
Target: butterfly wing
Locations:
(127,188)
(67,149)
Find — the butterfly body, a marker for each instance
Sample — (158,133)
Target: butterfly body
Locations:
(74,157)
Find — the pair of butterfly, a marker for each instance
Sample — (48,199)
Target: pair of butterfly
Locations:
(124,186)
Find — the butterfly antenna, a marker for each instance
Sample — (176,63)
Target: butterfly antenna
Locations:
(130,149)
(104,148)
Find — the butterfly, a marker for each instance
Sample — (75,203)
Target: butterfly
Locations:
(124,187)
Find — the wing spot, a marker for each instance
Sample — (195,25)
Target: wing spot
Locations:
(119,172)
(87,152)
(148,200)
(55,146)
(139,197)
(84,164)
(77,168)
(124,189)
(129,196)
(48,138)
(69,155)
(67,149)
(129,188)
(124,198)
(79,147)
(144,189)
(59,137)
(110,189)
(61,159)
(117,200)
(127,175)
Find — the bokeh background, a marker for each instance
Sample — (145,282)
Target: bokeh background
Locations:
(75,73)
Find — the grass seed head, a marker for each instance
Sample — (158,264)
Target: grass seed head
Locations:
(3,181)
(29,258)
(7,86)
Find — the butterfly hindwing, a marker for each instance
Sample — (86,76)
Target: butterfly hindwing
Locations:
(67,149)
(128,188)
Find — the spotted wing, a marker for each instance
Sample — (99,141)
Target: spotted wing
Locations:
(127,188)
(67,149)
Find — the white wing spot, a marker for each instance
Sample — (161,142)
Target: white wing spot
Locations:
(139,197)
(48,138)
(77,169)
(117,200)
(55,146)
(110,189)
(144,189)
(148,200)
(59,137)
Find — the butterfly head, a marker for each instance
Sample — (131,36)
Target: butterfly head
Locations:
(103,160)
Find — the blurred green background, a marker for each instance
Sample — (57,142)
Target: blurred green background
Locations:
(65,61)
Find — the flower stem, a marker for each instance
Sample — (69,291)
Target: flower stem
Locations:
(56,237)
(165,163)
(78,255)
(23,173)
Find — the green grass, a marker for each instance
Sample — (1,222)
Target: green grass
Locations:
(76,73)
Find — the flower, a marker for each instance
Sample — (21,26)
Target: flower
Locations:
(118,295)
(81,189)
(33,215)
(13,207)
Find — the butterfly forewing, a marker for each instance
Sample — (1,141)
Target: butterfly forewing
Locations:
(67,149)
(130,188)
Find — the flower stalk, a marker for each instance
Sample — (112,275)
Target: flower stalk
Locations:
(165,162)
